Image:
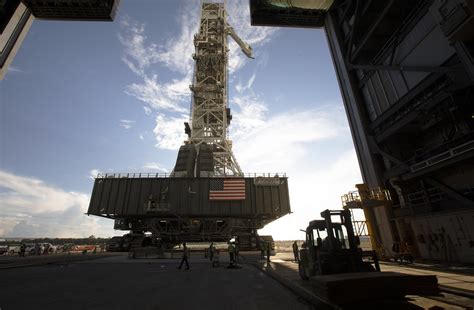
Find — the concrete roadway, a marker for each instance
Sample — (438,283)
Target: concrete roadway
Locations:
(122,283)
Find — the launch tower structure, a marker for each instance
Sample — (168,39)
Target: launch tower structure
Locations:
(208,150)
(206,197)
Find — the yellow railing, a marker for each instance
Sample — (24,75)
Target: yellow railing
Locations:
(377,194)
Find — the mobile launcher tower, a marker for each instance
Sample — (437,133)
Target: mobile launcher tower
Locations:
(206,197)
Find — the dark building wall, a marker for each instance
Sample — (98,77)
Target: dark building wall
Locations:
(90,10)
(405,70)
(7,9)
(15,21)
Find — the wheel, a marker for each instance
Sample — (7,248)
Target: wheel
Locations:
(302,271)
(367,267)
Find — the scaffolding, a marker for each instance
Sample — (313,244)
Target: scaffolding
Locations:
(210,114)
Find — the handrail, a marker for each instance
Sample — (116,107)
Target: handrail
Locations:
(135,175)
(373,194)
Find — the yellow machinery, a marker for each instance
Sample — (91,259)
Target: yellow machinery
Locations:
(367,199)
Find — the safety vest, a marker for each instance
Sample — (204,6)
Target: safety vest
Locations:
(231,248)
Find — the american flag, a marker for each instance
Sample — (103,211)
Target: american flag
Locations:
(227,189)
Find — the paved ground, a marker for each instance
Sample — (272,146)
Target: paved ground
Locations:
(459,278)
(282,265)
(116,282)
(121,283)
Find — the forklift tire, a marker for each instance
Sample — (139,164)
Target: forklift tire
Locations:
(368,268)
(302,272)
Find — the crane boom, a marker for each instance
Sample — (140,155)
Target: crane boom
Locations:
(246,49)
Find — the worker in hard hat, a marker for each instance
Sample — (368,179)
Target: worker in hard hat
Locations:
(184,259)
(295,251)
(269,251)
(211,251)
(262,249)
(231,250)
(236,251)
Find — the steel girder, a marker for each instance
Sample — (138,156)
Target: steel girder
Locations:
(210,88)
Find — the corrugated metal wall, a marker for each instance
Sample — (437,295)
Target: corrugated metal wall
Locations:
(385,88)
(122,197)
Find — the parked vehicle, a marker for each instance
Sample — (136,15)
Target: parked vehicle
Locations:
(48,248)
(85,248)
(31,249)
(13,249)
(68,247)
(3,249)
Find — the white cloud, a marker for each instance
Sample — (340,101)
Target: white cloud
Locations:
(93,174)
(127,124)
(137,55)
(175,54)
(161,96)
(147,110)
(32,208)
(141,137)
(314,188)
(154,167)
(169,131)
(282,140)
(249,114)
(241,88)
(13,69)
(298,143)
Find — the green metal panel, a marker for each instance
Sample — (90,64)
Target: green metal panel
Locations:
(122,197)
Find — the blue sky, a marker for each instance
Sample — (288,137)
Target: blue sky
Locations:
(88,97)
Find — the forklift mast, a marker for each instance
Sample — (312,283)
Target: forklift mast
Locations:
(345,220)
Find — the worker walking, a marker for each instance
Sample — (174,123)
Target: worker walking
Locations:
(295,251)
(231,250)
(236,250)
(185,257)
(22,249)
(269,250)
(262,249)
(211,251)
(37,249)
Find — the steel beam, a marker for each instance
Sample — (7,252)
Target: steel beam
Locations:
(405,68)
(451,192)
(372,29)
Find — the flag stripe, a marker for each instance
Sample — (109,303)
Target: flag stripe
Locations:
(232,189)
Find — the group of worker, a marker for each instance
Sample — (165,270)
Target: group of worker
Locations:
(233,250)
(36,250)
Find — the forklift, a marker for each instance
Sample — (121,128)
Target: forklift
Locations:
(332,248)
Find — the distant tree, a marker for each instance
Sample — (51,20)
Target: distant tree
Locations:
(91,237)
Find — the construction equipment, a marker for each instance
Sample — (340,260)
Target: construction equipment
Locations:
(370,201)
(336,264)
(338,252)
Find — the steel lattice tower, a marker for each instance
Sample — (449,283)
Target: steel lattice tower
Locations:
(210,115)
